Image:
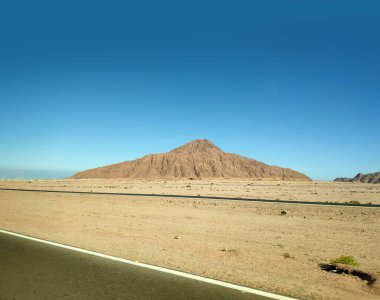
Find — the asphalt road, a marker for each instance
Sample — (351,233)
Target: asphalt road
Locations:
(32,270)
(200,197)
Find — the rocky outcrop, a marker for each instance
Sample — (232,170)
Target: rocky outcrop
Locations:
(364,178)
(197,159)
(343,179)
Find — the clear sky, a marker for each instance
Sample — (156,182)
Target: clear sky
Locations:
(289,83)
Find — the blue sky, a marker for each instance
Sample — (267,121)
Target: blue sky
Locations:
(289,83)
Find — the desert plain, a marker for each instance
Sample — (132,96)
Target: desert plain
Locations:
(270,246)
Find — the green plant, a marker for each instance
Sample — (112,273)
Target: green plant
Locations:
(346,260)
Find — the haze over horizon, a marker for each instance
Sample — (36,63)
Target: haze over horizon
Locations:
(292,84)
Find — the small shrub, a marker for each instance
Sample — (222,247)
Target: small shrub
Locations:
(354,202)
(286,255)
(346,260)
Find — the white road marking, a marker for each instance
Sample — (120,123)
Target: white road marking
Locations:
(242,289)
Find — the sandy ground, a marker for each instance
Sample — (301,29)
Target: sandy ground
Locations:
(235,241)
(282,190)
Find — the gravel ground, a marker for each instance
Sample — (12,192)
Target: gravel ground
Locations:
(273,247)
(282,190)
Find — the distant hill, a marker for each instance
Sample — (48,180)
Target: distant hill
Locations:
(364,178)
(197,159)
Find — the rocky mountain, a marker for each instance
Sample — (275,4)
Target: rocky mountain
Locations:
(197,159)
(343,179)
(364,178)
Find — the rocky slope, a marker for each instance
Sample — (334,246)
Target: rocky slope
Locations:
(197,159)
(364,178)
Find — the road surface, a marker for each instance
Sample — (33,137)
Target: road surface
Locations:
(34,270)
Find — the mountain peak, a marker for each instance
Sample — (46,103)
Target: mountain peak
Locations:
(201,145)
(361,177)
(197,159)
